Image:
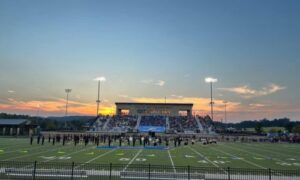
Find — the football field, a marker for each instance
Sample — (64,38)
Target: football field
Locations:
(221,155)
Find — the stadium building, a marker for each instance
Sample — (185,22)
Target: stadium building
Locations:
(17,127)
(174,118)
(154,109)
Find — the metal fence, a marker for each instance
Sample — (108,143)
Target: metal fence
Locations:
(46,170)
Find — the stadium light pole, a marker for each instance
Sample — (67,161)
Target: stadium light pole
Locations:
(99,79)
(38,106)
(225,113)
(67,101)
(211,80)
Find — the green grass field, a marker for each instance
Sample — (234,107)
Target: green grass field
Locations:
(221,155)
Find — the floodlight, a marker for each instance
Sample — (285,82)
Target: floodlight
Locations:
(102,79)
(211,80)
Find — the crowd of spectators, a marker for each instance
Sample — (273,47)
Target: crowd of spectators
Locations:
(153,121)
(125,123)
(122,123)
(183,123)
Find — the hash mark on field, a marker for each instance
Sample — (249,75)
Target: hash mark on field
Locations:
(132,160)
(249,162)
(172,161)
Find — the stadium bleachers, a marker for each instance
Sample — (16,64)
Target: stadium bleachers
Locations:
(178,124)
(122,123)
(99,122)
(153,121)
(183,124)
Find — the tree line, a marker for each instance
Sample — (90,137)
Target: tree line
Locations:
(53,123)
(258,125)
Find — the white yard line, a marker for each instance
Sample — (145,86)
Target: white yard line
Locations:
(172,161)
(140,151)
(66,155)
(94,159)
(84,149)
(266,149)
(253,153)
(204,157)
(246,161)
(257,154)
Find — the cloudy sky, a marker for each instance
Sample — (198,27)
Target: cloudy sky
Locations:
(148,50)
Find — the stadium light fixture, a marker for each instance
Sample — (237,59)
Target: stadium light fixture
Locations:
(99,79)
(211,80)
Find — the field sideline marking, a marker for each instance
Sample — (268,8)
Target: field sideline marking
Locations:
(172,161)
(204,157)
(249,162)
(101,155)
(137,154)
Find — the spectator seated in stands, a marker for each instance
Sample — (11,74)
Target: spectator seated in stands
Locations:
(153,121)
(183,123)
(122,123)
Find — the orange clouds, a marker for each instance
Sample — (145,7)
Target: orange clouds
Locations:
(247,92)
(236,110)
(55,107)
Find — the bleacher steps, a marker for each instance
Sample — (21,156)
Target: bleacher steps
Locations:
(167,123)
(199,124)
(106,123)
(138,122)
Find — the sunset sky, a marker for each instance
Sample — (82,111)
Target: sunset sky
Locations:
(148,50)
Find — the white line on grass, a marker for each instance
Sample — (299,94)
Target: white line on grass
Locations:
(94,159)
(66,155)
(246,161)
(172,161)
(132,160)
(204,157)
(270,151)
(257,154)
